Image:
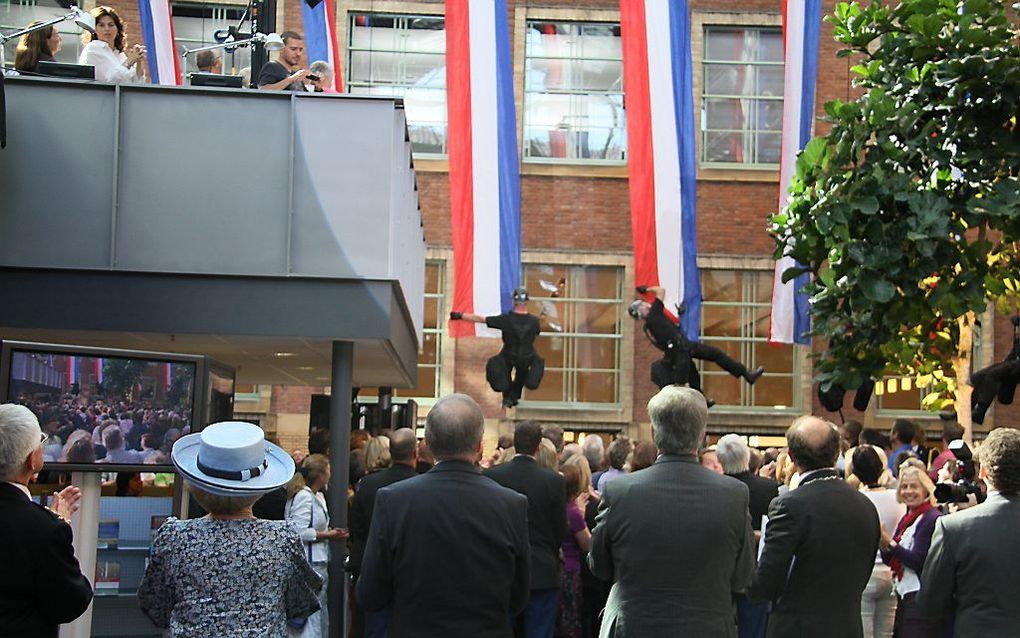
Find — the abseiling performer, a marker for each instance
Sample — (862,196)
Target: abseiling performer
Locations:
(677,366)
(517,366)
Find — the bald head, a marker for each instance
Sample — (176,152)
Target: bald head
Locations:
(454,427)
(403,446)
(813,443)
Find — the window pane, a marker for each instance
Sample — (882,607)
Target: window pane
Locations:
(195,25)
(599,354)
(720,285)
(776,358)
(403,56)
(553,349)
(425,386)
(721,388)
(573,84)
(771,391)
(596,387)
(551,388)
(746,62)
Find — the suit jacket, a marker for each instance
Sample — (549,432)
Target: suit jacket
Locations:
(972,568)
(762,491)
(820,546)
(448,551)
(364,503)
(676,538)
(547,514)
(44,586)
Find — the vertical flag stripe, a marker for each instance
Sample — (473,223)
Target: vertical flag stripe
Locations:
(484,165)
(801,33)
(158,33)
(660,150)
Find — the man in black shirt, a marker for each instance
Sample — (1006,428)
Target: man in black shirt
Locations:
(285,73)
(519,329)
(677,365)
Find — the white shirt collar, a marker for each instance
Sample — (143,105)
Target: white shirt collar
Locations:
(22,488)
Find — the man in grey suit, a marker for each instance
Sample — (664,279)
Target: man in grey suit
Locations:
(675,537)
(974,559)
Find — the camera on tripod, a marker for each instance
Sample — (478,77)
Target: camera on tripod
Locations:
(964,476)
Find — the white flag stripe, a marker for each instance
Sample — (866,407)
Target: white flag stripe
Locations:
(665,152)
(485,159)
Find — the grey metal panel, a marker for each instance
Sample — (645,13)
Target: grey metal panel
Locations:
(342,171)
(204,182)
(197,304)
(56,175)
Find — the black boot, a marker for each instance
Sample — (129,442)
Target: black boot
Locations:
(753,375)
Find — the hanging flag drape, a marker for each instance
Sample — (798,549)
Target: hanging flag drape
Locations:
(661,161)
(484,168)
(319,21)
(160,48)
(802,21)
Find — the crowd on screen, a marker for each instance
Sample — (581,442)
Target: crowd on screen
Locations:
(838,534)
(108,52)
(81,430)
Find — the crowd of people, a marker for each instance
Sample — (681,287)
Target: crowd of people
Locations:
(94,430)
(548,538)
(107,51)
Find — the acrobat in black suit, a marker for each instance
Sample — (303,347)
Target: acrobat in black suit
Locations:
(998,380)
(517,366)
(677,364)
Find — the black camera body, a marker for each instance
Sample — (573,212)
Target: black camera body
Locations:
(964,473)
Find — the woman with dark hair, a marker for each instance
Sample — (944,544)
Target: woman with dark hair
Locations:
(104,50)
(878,602)
(35,47)
(576,542)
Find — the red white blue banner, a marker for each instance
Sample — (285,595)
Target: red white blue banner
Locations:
(485,193)
(802,22)
(160,49)
(319,21)
(661,156)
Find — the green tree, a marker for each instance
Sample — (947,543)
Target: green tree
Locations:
(121,375)
(906,212)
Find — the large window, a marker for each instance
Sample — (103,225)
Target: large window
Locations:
(18,14)
(581,309)
(403,56)
(735,318)
(742,96)
(195,25)
(573,92)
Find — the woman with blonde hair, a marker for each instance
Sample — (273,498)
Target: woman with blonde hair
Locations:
(307,513)
(546,455)
(104,50)
(377,454)
(906,549)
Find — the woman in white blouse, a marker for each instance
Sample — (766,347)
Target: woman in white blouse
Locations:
(307,513)
(104,50)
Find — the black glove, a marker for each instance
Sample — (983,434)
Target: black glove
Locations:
(642,289)
(456,315)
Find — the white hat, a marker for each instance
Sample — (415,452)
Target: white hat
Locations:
(232,458)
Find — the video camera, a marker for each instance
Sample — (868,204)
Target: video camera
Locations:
(964,477)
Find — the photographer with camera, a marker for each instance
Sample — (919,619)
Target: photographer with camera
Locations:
(974,559)
(959,487)
(286,74)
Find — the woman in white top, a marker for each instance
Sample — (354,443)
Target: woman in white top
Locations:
(878,602)
(307,513)
(104,50)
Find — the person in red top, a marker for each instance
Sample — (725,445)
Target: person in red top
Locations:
(951,431)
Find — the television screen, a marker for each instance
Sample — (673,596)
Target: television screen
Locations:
(105,409)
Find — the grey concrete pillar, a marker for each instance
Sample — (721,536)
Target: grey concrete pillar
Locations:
(339,461)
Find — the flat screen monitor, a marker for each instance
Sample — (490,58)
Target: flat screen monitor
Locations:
(104,408)
(64,70)
(216,79)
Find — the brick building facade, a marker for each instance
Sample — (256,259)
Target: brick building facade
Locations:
(575,216)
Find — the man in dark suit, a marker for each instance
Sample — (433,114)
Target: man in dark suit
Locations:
(735,458)
(675,537)
(448,550)
(820,543)
(44,586)
(974,559)
(547,525)
(404,452)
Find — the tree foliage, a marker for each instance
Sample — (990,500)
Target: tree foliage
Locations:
(908,211)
